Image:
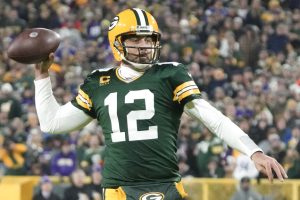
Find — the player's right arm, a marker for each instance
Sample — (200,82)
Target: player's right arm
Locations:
(187,94)
(53,117)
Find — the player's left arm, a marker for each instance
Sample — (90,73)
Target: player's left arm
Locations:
(225,129)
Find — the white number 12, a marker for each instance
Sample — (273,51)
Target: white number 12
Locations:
(132,117)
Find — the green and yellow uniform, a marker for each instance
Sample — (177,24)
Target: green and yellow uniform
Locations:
(140,120)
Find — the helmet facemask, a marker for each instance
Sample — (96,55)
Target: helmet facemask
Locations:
(145,56)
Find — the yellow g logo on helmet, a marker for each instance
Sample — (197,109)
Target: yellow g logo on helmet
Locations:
(113,23)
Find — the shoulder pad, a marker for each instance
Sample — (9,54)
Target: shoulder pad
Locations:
(175,64)
(102,69)
(98,72)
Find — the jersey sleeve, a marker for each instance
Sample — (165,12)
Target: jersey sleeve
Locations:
(184,87)
(83,100)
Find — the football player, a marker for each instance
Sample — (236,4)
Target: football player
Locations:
(139,104)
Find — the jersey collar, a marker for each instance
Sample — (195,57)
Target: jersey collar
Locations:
(127,74)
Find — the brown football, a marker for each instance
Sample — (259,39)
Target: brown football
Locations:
(33,45)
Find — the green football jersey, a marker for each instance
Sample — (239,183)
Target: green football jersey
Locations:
(140,120)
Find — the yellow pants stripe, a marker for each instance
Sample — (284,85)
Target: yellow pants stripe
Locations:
(180,189)
(114,194)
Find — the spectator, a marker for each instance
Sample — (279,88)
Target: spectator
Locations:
(9,105)
(93,156)
(95,185)
(295,137)
(278,42)
(274,13)
(206,151)
(254,13)
(35,148)
(44,19)
(294,171)
(64,162)
(46,190)
(12,156)
(243,8)
(184,169)
(246,192)
(94,26)
(217,10)
(242,108)
(249,46)
(82,144)
(258,131)
(219,80)
(18,130)
(214,169)
(244,167)
(277,147)
(46,156)
(284,131)
(13,21)
(78,190)
(32,121)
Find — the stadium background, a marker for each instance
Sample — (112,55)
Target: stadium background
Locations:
(244,56)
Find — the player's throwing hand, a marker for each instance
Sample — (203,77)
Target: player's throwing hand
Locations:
(41,69)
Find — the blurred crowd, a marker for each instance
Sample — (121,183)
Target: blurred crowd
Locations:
(244,55)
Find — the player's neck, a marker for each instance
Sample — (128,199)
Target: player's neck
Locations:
(128,73)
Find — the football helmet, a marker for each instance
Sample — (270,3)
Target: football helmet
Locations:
(131,22)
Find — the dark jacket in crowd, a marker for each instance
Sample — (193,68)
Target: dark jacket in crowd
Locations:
(39,196)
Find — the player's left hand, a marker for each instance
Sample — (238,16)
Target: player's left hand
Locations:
(267,165)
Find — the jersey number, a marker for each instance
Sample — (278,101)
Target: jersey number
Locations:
(132,116)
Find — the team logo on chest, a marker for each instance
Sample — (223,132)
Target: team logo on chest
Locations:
(104,80)
(152,196)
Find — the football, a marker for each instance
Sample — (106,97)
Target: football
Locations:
(33,45)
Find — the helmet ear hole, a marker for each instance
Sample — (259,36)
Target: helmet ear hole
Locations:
(119,48)
(117,44)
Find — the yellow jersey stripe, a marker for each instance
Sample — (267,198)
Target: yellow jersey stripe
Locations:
(84,95)
(84,101)
(184,90)
(188,93)
(82,104)
(183,85)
